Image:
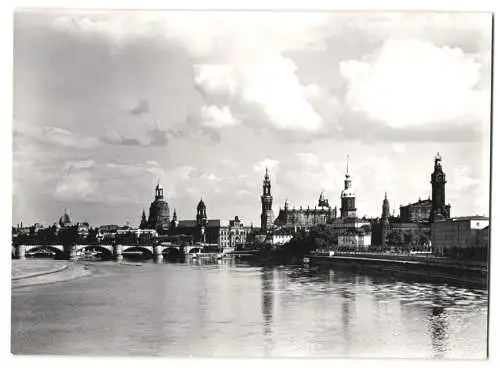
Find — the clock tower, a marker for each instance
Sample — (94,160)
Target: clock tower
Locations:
(438,180)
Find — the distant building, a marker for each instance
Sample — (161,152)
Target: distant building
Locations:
(107,229)
(416,212)
(266,216)
(278,238)
(385,229)
(201,230)
(461,237)
(134,236)
(83,229)
(65,220)
(235,235)
(159,218)
(356,239)
(302,218)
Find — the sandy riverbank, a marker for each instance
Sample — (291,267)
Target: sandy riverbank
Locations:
(38,271)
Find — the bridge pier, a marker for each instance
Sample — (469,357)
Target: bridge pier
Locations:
(158,254)
(72,252)
(21,251)
(117,252)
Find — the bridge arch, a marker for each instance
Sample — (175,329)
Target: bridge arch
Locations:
(195,250)
(107,251)
(30,250)
(137,250)
(172,252)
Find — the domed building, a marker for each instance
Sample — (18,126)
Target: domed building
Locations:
(65,220)
(159,218)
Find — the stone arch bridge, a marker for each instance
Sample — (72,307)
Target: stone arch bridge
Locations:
(109,250)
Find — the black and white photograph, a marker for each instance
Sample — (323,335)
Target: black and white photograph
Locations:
(251,183)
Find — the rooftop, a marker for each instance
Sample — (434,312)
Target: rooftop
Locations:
(468,218)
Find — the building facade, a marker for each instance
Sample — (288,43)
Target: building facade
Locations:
(461,237)
(159,217)
(303,218)
(235,235)
(359,239)
(416,212)
(201,230)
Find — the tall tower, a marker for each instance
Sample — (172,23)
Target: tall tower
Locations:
(386,210)
(266,217)
(438,180)
(384,223)
(348,197)
(201,220)
(174,222)
(144,222)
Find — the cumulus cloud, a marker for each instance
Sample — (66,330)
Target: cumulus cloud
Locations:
(142,107)
(76,185)
(82,164)
(53,135)
(156,137)
(310,159)
(266,91)
(118,139)
(217,117)
(410,83)
(268,163)
(398,148)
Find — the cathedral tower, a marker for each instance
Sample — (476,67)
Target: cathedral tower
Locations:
(348,197)
(174,222)
(438,180)
(384,223)
(266,217)
(201,220)
(386,210)
(144,222)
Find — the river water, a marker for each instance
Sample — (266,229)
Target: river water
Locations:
(229,309)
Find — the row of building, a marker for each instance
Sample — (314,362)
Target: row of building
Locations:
(424,225)
(419,225)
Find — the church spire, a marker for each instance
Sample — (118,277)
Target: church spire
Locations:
(144,222)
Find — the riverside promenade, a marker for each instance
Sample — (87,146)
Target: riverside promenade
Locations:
(421,267)
(40,271)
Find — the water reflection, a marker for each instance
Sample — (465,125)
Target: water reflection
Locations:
(228,309)
(267,278)
(346,317)
(438,326)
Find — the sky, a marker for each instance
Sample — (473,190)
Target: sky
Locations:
(106,104)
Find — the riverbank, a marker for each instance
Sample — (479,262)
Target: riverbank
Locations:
(38,272)
(422,269)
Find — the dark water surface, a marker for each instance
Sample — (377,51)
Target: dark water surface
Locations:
(228,309)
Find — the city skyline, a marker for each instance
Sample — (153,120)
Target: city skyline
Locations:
(102,111)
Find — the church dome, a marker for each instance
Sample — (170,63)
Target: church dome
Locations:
(65,220)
